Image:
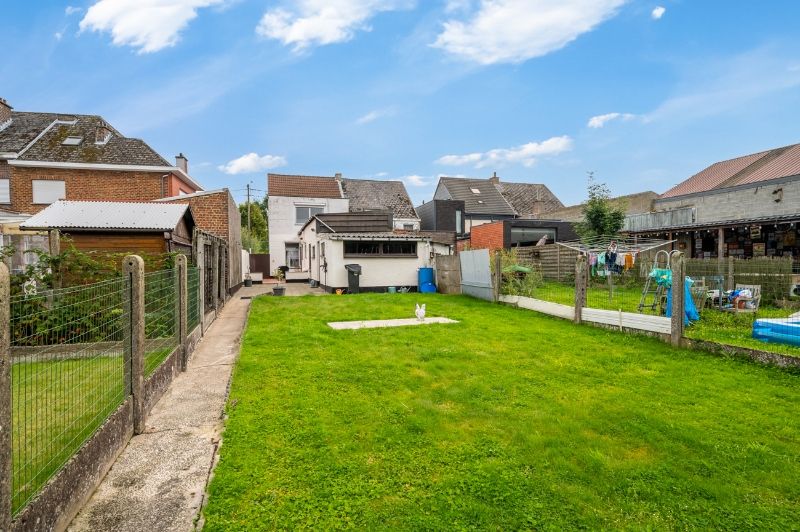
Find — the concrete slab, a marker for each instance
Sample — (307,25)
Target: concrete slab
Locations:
(159,480)
(377,324)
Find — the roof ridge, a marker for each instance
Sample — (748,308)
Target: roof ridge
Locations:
(304,175)
(768,156)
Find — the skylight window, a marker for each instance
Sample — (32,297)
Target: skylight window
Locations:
(475,191)
(72,141)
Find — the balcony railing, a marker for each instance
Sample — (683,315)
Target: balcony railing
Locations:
(659,220)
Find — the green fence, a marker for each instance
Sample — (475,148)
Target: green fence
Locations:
(160,317)
(67,376)
(193,298)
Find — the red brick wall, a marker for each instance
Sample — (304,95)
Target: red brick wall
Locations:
(210,212)
(98,185)
(487,236)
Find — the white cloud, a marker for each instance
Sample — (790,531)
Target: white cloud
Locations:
(658,12)
(525,154)
(251,163)
(321,22)
(374,115)
(599,121)
(58,35)
(71,10)
(512,31)
(149,25)
(416,180)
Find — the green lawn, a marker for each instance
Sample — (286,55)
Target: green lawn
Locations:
(507,420)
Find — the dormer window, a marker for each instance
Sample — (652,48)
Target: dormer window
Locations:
(72,141)
(475,191)
(102,135)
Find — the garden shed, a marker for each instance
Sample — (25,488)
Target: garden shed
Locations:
(119,227)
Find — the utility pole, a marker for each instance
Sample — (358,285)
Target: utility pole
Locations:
(249,231)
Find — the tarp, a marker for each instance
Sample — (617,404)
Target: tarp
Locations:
(689,309)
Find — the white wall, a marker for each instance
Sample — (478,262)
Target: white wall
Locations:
(400,222)
(282,226)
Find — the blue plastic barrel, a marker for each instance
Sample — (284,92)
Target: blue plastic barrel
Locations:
(425,280)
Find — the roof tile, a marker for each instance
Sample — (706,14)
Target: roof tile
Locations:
(303,186)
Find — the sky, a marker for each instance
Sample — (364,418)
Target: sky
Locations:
(644,94)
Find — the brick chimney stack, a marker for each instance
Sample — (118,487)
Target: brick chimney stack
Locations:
(5,111)
(182,162)
(494,179)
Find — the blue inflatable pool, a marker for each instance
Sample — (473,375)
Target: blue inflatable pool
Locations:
(779,331)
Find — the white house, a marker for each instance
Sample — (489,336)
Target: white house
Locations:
(294,199)
(387,256)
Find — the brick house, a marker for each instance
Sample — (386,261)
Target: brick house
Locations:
(45,157)
(518,232)
(216,212)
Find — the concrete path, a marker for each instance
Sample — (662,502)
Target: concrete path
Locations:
(159,480)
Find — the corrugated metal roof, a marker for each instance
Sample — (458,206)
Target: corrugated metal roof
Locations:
(108,216)
(753,168)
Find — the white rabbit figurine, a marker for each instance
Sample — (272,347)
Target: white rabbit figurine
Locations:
(420,312)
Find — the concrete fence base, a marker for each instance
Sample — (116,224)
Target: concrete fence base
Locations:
(60,499)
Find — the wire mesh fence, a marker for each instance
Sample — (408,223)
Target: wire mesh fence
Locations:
(524,276)
(752,303)
(67,376)
(160,317)
(193,297)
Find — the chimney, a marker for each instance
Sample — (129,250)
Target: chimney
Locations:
(338,176)
(494,179)
(182,162)
(5,111)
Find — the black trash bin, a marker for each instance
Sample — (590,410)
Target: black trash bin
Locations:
(353,274)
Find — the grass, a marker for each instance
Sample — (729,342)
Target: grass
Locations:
(56,407)
(506,420)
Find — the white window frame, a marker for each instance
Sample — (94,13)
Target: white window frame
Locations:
(297,206)
(43,191)
(5,191)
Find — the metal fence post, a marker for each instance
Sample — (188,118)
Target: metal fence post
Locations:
(200,255)
(498,274)
(730,283)
(678,291)
(215,281)
(182,304)
(133,266)
(6,470)
(581,280)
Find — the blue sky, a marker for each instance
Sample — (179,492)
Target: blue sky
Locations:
(642,93)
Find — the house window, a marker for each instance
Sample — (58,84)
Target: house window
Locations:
(293,255)
(367,248)
(475,191)
(408,227)
(459,222)
(72,141)
(46,192)
(303,212)
(5,191)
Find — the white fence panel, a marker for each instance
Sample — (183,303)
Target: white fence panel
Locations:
(476,274)
(628,320)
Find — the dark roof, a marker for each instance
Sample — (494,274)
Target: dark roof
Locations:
(529,198)
(368,194)
(303,186)
(345,222)
(753,168)
(40,136)
(489,200)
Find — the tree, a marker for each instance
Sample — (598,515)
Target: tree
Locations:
(254,232)
(601,217)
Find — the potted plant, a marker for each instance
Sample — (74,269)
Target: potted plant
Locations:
(248,281)
(279,290)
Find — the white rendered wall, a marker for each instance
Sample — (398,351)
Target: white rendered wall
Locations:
(282,226)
